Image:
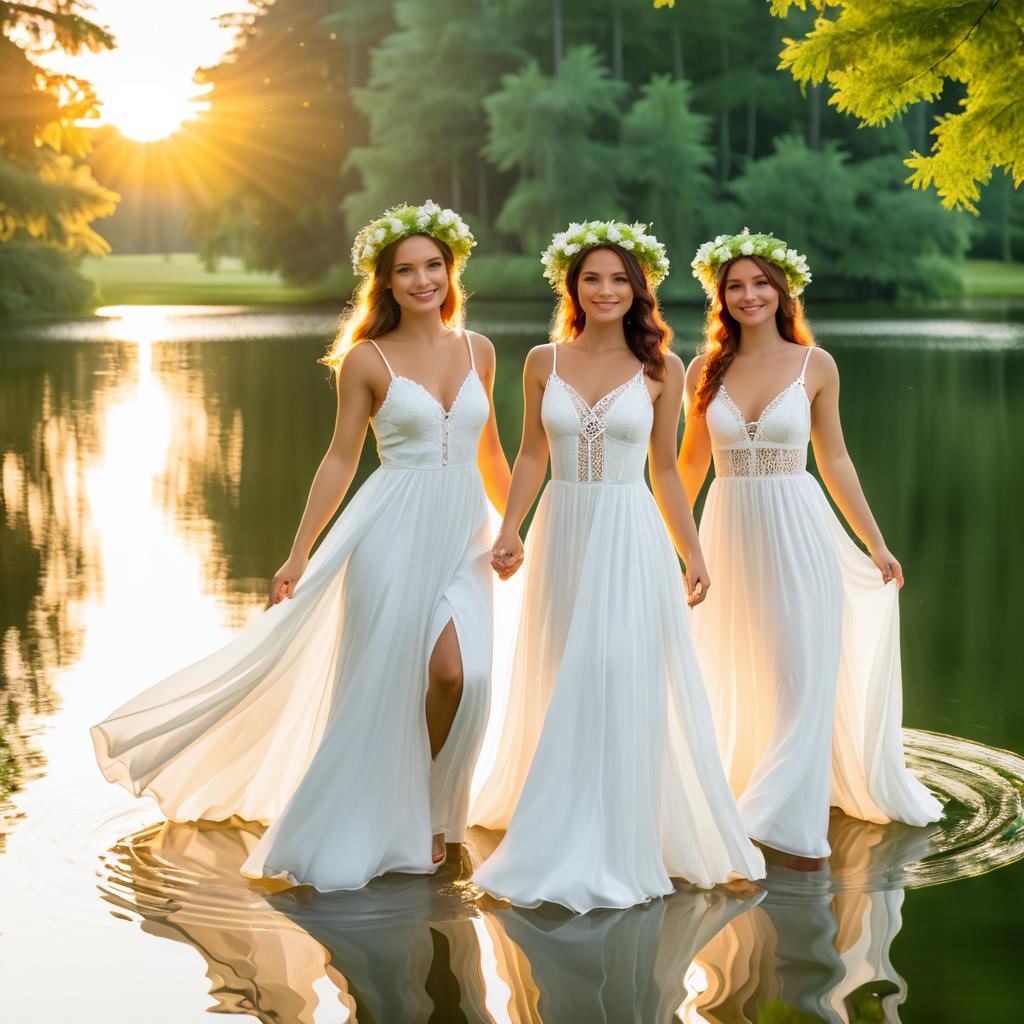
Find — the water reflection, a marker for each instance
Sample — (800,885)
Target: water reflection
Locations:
(411,950)
(150,482)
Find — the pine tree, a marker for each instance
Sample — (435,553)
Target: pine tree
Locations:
(48,198)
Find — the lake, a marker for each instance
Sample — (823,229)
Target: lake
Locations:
(155,463)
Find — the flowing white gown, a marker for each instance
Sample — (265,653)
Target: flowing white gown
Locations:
(607,754)
(312,719)
(798,640)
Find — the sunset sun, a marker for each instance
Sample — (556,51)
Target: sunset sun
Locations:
(145,116)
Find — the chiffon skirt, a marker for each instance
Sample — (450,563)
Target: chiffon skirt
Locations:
(607,754)
(312,719)
(799,645)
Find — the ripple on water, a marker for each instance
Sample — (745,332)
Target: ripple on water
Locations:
(193,870)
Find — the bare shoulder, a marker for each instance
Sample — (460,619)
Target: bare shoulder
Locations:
(362,367)
(821,367)
(483,350)
(675,370)
(539,361)
(695,370)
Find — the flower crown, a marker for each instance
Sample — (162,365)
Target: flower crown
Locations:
(577,238)
(712,255)
(401,222)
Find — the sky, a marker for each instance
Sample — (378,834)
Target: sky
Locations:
(145,84)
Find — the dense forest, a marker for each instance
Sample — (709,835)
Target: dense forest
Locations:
(525,114)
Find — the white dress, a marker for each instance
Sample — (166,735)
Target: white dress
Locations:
(607,754)
(798,640)
(312,719)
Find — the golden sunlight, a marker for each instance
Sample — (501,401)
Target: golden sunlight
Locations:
(145,116)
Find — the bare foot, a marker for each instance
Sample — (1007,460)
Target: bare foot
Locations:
(742,888)
(438,851)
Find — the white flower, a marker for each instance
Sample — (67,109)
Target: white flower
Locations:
(571,249)
(560,239)
(663,263)
(627,243)
(723,254)
(397,227)
(575,229)
(747,248)
(614,234)
(719,239)
(430,207)
(778,254)
(379,235)
(368,252)
(590,239)
(422,222)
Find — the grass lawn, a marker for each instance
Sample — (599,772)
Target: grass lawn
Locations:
(179,279)
(992,279)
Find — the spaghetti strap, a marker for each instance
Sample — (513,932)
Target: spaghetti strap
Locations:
(469,345)
(803,369)
(384,357)
(554,359)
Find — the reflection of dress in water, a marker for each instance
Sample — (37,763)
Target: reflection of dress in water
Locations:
(313,718)
(607,753)
(798,640)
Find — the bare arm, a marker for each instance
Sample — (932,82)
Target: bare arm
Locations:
(490,456)
(837,469)
(336,470)
(530,466)
(695,451)
(668,487)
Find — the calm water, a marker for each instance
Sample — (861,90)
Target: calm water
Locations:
(154,466)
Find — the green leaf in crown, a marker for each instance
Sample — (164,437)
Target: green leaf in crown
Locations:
(711,256)
(401,222)
(577,238)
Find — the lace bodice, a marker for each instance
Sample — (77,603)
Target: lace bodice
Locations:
(603,443)
(414,431)
(775,444)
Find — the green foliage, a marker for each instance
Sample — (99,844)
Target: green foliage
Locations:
(549,131)
(862,233)
(48,199)
(666,163)
(39,278)
(271,143)
(422,106)
(882,56)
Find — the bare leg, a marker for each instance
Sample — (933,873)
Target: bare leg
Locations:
(444,692)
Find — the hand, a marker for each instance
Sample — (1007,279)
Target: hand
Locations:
(285,579)
(697,581)
(507,554)
(888,566)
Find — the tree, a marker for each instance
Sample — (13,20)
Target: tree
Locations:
(48,198)
(666,159)
(549,131)
(863,234)
(264,158)
(423,108)
(882,56)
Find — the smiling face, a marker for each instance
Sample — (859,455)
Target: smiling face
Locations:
(419,275)
(750,296)
(603,287)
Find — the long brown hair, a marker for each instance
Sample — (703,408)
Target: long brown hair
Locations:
(647,334)
(722,331)
(373,310)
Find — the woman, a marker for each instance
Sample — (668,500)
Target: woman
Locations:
(607,753)
(350,714)
(799,645)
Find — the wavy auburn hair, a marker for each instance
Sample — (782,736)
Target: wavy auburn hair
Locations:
(722,330)
(373,310)
(647,334)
